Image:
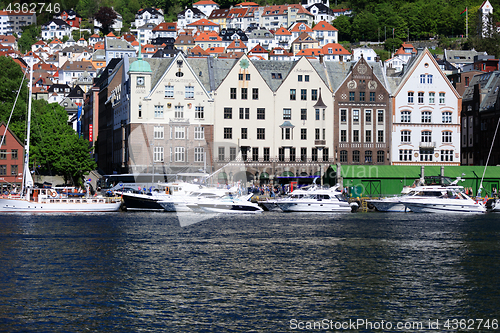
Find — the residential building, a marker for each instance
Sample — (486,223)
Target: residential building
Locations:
(11,160)
(116,26)
(218,16)
(71,17)
(145,33)
(485,26)
(262,37)
(148,15)
(184,43)
(363,116)
(321,12)
(55,28)
(72,70)
(365,52)
(304,41)
(273,17)
(208,39)
(206,6)
(461,58)
(335,52)
(188,16)
(325,33)
(426,115)
(164,30)
(118,48)
(283,38)
(12,22)
(279,53)
(203,25)
(230,35)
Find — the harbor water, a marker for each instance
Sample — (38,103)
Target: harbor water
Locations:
(269,272)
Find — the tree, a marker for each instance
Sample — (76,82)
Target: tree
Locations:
(87,8)
(343,24)
(11,76)
(106,16)
(29,37)
(365,26)
(55,146)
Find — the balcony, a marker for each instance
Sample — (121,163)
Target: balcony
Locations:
(320,143)
(427,144)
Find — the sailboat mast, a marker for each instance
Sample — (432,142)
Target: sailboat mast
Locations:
(27,180)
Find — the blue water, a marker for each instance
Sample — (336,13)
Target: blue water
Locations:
(272,272)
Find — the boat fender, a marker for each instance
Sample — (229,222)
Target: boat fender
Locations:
(53,193)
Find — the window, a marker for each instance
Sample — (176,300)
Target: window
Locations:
(405,154)
(244,93)
(361,96)
(287,114)
(314,94)
(380,156)
(380,136)
(380,116)
(267,154)
(299,78)
(13,155)
(410,97)
(447,155)
(3,153)
(303,154)
(179,111)
(158,111)
(446,137)
(446,117)
(247,77)
(343,115)
(179,154)
(426,155)
(14,170)
(422,78)
(255,154)
(368,136)
(343,135)
(158,132)
(158,154)
(232,93)
(199,133)
(303,114)
(221,153)
(372,97)
(316,112)
(368,156)
(189,94)
(406,116)
(199,112)
(180,132)
(306,78)
(429,78)
(303,134)
(255,93)
(441,98)
(314,154)
(420,98)
(228,133)
(343,156)
(405,136)
(351,96)
(199,154)
(286,133)
(368,116)
(426,116)
(355,156)
(316,134)
(169,91)
(261,133)
(431,97)
(281,154)
(244,133)
(303,94)
(240,77)
(244,113)
(228,113)
(139,113)
(3,170)
(232,153)
(426,136)
(355,116)
(292,154)
(355,136)
(293,95)
(140,81)
(261,113)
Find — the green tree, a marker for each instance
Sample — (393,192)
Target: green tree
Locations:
(343,24)
(365,27)
(87,8)
(11,76)
(392,44)
(29,37)
(55,146)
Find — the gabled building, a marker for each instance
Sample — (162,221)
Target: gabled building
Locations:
(280,54)
(363,116)
(203,25)
(230,35)
(148,15)
(11,160)
(118,48)
(272,17)
(426,115)
(258,50)
(321,12)
(72,70)
(283,38)
(237,46)
(55,28)
(188,16)
(164,30)
(262,37)
(335,52)
(325,33)
(208,39)
(71,17)
(219,16)
(206,6)
(184,43)
(304,41)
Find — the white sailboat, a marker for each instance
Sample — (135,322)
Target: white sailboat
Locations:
(47,200)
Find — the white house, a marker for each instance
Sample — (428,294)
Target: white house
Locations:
(55,28)
(365,52)
(206,6)
(426,116)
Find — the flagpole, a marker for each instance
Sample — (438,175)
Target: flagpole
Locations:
(466,23)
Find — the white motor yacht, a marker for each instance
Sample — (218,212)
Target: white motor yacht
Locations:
(442,199)
(391,204)
(318,201)
(228,204)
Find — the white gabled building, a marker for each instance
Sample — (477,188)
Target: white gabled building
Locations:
(55,28)
(426,115)
(148,15)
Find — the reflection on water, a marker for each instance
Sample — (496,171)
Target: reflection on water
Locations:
(144,271)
